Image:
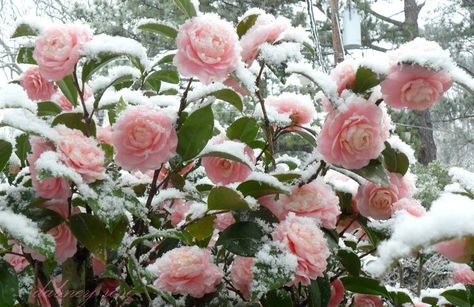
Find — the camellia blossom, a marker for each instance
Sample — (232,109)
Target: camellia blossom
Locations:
(223,220)
(187,270)
(266,29)
(337,293)
(316,200)
(208,48)
(224,171)
(414,87)
(463,274)
(66,105)
(241,275)
(354,136)
(365,300)
(19,263)
(104,134)
(457,250)
(48,187)
(179,208)
(58,49)
(302,237)
(411,206)
(377,201)
(66,243)
(81,153)
(143,138)
(344,75)
(36,85)
(298,107)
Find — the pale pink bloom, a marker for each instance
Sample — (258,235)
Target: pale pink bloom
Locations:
(463,274)
(299,108)
(104,134)
(236,86)
(422,305)
(411,206)
(81,153)
(344,74)
(66,243)
(337,293)
(98,267)
(66,105)
(188,270)
(377,201)
(144,138)
(35,255)
(61,207)
(316,200)
(19,263)
(224,171)
(223,220)
(303,238)
(241,275)
(36,86)
(365,300)
(457,250)
(179,209)
(49,187)
(354,136)
(59,48)
(414,87)
(266,29)
(208,48)
(276,206)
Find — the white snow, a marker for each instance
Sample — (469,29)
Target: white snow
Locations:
(166,194)
(231,148)
(13,96)
(463,177)
(279,53)
(203,91)
(341,182)
(296,34)
(37,23)
(245,76)
(24,120)
(450,217)
(268,179)
(116,72)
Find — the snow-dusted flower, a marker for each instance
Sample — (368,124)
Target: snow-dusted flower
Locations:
(344,75)
(365,300)
(457,250)
(299,108)
(463,274)
(241,274)
(223,220)
(36,85)
(337,293)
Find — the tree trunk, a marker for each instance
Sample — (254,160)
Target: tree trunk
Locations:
(427,153)
(336,34)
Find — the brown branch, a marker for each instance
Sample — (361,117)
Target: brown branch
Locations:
(367,9)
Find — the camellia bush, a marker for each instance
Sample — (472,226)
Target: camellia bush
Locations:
(123,184)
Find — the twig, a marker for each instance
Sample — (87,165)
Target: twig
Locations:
(321,167)
(81,94)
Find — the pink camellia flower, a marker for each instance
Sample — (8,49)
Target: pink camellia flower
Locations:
(224,171)
(422,305)
(187,270)
(179,209)
(463,274)
(208,48)
(344,75)
(276,205)
(104,134)
(266,29)
(414,87)
(241,275)
(59,48)
(354,136)
(223,220)
(36,86)
(49,187)
(410,206)
(19,263)
(236,86)
(377,201)
(98,267)
(298,107)
(364,300)
(337,293)
(315,200)
(66,105)
(457,250)
(80,153)
(144,138)
(66,243)
(302,237)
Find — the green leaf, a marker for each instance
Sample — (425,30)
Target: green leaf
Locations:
(223,198)
(286,177)
(48,108)
(22,147)
(430,300)
(8,285)
(187,7)
(6,150)
(457,297)
(225,155)
(133,273)
(307,137)
(68,89)
(365,79)
(399,298)
(246,24)
(202,229)
(374,235)
(242,238)
(277,297)
(244,129)
(96,63)
(75,121)
(109,152)
(374,172)
(195,132)
(167,59)
(159,28)
(395,161)
(229,96)
(350,261)
(24,29)
(364,285)
(319,292)
(257,189)
(168,233)
(25,56)
(165,75)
